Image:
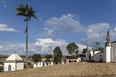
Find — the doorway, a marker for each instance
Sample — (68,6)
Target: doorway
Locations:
(9,68)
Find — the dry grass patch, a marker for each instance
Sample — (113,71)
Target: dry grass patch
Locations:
(65,70)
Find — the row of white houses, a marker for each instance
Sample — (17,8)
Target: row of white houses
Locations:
(41,64)
(15,62)
(68,60)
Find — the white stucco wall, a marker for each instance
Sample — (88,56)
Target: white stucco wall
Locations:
(40,64)
(50,63)
(107,54)
(20,66)
(113,52)
(14,66)
(7,64)
(98,56)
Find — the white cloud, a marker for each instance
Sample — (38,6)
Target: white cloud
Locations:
(47,45)
(42,46)
(49,32)
(4,4)
(81,47)
(96,32)
(114,29)
(65,24)
(113,34)
(19,48)
(68,24)
(4,27)
(2,48)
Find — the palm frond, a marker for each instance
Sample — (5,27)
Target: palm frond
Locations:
(26,6)
(21,5)
(35,17)
(25,11)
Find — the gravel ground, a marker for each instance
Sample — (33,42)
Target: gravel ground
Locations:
(82,69)
(100,76)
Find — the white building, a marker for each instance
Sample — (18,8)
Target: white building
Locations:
(109,54)
(90,54)
(72,59)
(41,64)
(13,62)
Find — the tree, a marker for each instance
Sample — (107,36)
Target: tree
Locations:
(28,13)
(57,55)
(98,48)
(84,50)
(97,43)
(76,52)
(72,49)
(36,57)
(48,57)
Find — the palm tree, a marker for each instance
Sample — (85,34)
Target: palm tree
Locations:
(28,13)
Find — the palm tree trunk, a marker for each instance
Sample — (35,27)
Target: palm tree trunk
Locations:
(26,44)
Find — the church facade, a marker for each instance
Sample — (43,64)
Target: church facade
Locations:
(110,54)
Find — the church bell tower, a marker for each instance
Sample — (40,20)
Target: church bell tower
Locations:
(108,40)
(107,52)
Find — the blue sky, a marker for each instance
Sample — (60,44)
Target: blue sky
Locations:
(59,23)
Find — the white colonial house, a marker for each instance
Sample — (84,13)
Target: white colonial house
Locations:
(72,59)
(43,63)
(13,62)
(109,54)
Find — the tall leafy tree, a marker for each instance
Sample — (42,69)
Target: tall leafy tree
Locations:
(28,13)
(72,49)
(84,50)
(36,57)
(48,57)
(57,55)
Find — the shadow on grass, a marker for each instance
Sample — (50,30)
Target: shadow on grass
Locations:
(92,61)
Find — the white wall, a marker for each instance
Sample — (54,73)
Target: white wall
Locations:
(107,54)
(98,56)
(14,66)
(77,60)
(40,64)
(20,66)
(7,64)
